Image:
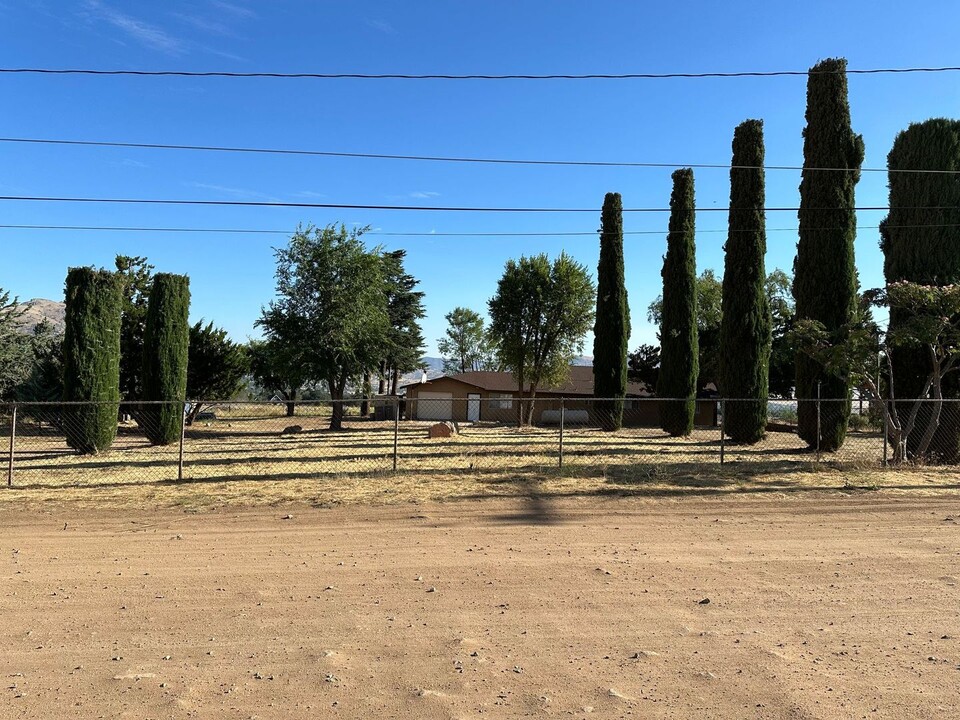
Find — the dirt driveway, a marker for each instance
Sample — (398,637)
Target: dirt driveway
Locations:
(818,607)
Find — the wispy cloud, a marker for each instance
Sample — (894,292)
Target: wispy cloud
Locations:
(383,26)
(310,194)
(234,192)
(129,162)
(424,194)
(204,24)
(143,32)
(233,8)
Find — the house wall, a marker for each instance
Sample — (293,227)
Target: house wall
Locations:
(637,413)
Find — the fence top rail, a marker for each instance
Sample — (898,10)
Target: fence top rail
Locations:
(395,399)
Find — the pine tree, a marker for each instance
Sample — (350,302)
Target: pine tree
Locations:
(611,330)
(745,330)
(921,243)
(825,278)
(91,369)
(166,346)
(679,349)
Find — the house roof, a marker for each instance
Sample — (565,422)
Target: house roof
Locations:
(579,382)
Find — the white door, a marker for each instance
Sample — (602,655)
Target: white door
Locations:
(434,406)
(473,407)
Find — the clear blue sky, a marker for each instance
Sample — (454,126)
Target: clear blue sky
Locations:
(681,121)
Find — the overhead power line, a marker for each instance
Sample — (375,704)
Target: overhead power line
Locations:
(485,76)
(445,159)
(380,233)
(414,208)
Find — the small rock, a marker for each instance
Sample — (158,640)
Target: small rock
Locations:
(431,589)
(705,601)
(287,517)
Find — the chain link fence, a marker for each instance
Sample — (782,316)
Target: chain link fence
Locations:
(47,444)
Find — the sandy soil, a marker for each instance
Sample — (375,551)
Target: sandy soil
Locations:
(819,607)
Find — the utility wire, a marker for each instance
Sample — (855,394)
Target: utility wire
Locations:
(258,231)
(419,208)
(444,76)
(450,159)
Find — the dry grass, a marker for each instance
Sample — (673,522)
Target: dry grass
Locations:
(244,458)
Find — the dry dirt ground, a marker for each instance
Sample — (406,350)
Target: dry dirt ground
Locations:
(821,605)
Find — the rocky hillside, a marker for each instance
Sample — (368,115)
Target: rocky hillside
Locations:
(37,309)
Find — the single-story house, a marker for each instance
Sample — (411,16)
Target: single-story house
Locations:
(493,397)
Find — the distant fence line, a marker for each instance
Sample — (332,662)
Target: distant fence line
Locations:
(255,439)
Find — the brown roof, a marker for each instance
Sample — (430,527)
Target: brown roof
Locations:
(579,382)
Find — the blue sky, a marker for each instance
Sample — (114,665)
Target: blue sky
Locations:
(675,121)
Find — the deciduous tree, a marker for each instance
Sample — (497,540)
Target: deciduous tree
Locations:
(538,319)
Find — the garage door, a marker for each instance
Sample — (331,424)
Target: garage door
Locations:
(434,406)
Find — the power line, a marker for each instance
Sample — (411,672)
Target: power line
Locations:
(379,233)
(445,76)
(447,159)
(415,208)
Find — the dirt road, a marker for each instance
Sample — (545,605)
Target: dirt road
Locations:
(829,607)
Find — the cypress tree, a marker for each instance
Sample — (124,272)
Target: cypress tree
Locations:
(166,346)
(825,278)
(921,243)
(745,330)
(91,361)
(679,351)
(611,330)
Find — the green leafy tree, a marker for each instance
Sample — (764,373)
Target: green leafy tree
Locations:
(709,320)
(679,348)
(331,290)
(466,346)
(611,330)
(217,367)
(709,290)
(919,243)
(277,366)
(15,355)
(538,319)
(825,278)
(930,322)
(91,365)
(644,365)
(166,347)
(136,276)
(745,332)
(405,310)
(44,383)
(783,356)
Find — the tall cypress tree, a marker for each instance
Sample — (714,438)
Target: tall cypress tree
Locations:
(166,346)
(921,243)
(679,351)
(91,359)
(825,278)
(746,325)
(611,330)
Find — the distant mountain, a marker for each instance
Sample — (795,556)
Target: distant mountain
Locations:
(583,361)
(38,309)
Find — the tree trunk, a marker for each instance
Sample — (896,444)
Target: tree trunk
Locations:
(365,404)
(533,395)
(520,400)
(394,376)
(291,408)
(337,386)
(382,385)
(192,415)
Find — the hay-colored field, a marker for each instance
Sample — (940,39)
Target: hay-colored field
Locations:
(245,457)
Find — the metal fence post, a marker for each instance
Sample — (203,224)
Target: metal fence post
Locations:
(13,443)
(183,431)
(562,408)
(723,418)
(818,422)
(396,430)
